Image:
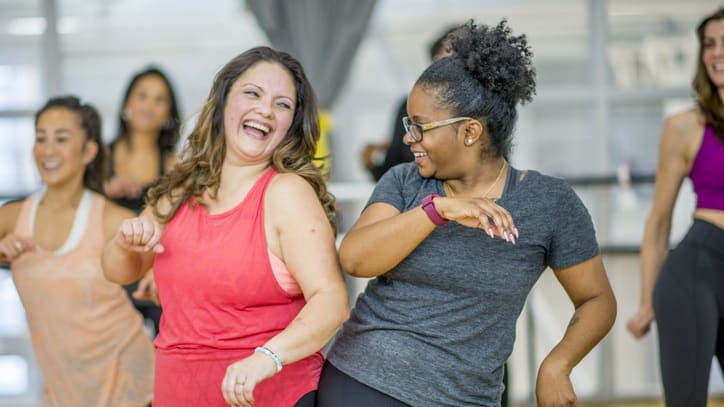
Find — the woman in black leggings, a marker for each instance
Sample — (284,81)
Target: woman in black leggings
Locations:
(687,297)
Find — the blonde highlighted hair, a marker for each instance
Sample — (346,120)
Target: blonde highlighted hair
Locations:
(200,168)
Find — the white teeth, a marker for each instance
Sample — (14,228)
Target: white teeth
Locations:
(51,166)
(419,155)
(719,67)
(257,126)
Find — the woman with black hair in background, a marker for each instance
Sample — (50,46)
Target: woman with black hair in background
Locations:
(143,151)
(456,240)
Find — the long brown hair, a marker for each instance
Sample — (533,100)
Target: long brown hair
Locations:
(203,155)
(707,93)
(168,134)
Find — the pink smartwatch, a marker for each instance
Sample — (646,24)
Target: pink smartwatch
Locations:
(429,207)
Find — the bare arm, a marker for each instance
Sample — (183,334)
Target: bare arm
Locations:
(301,232)
(11,245)
(672,169)
(305,241)
(382,237)
(131,250)
(595,311)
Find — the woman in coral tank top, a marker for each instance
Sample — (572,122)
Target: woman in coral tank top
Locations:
(241,241)
(88,339)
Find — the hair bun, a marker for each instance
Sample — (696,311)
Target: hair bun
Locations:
(499,60)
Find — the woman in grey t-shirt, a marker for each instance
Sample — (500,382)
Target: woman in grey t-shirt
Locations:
(456,240)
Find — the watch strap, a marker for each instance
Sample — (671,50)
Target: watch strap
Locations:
(428,205)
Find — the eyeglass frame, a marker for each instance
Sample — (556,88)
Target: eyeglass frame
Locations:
(407,124)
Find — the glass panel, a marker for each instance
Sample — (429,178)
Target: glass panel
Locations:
(20,86)
(558,140)
(652,43)
(14,380)
(21,26)
(17,169)
(635,133)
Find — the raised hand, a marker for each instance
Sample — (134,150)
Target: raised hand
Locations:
(12,246)
(140,234)
(480,213)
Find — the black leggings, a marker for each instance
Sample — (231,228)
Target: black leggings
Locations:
(689,309)
(337,389)
(307,400)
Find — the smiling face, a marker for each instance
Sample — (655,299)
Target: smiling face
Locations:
(148,106)
(258,113)
(712,55)
(61,150)
(437,155)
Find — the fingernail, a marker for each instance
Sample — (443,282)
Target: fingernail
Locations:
(512,238)
(516,232)
(490,233)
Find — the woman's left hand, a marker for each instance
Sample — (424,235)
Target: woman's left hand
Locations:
(554,387)
(482,213)
(147,290)
(242,377)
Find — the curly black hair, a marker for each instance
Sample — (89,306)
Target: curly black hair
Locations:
(489,73)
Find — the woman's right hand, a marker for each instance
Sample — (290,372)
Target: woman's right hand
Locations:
(640,323)
(121,187)
(140,234)
(480,213)
(12,246)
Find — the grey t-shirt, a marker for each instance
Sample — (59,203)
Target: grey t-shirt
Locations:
(437,329)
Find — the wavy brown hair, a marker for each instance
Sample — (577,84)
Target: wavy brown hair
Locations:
(204,152)
(707,93)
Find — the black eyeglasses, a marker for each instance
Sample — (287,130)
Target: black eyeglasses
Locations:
(415,130)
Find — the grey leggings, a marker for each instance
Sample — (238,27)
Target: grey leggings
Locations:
(689,309)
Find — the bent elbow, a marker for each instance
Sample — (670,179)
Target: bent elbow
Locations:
(348,262)
(613,310)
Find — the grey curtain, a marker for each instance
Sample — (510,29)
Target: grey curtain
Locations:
(322,34)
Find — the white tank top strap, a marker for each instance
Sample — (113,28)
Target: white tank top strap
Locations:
(80,222)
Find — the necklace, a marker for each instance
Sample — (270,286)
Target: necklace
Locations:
(450,193)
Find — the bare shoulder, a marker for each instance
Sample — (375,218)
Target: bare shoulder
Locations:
(688,123)
(683,131)
(9,214)
(290,186)
(290,197)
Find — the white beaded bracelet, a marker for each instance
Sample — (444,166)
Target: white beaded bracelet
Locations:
(275,358)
